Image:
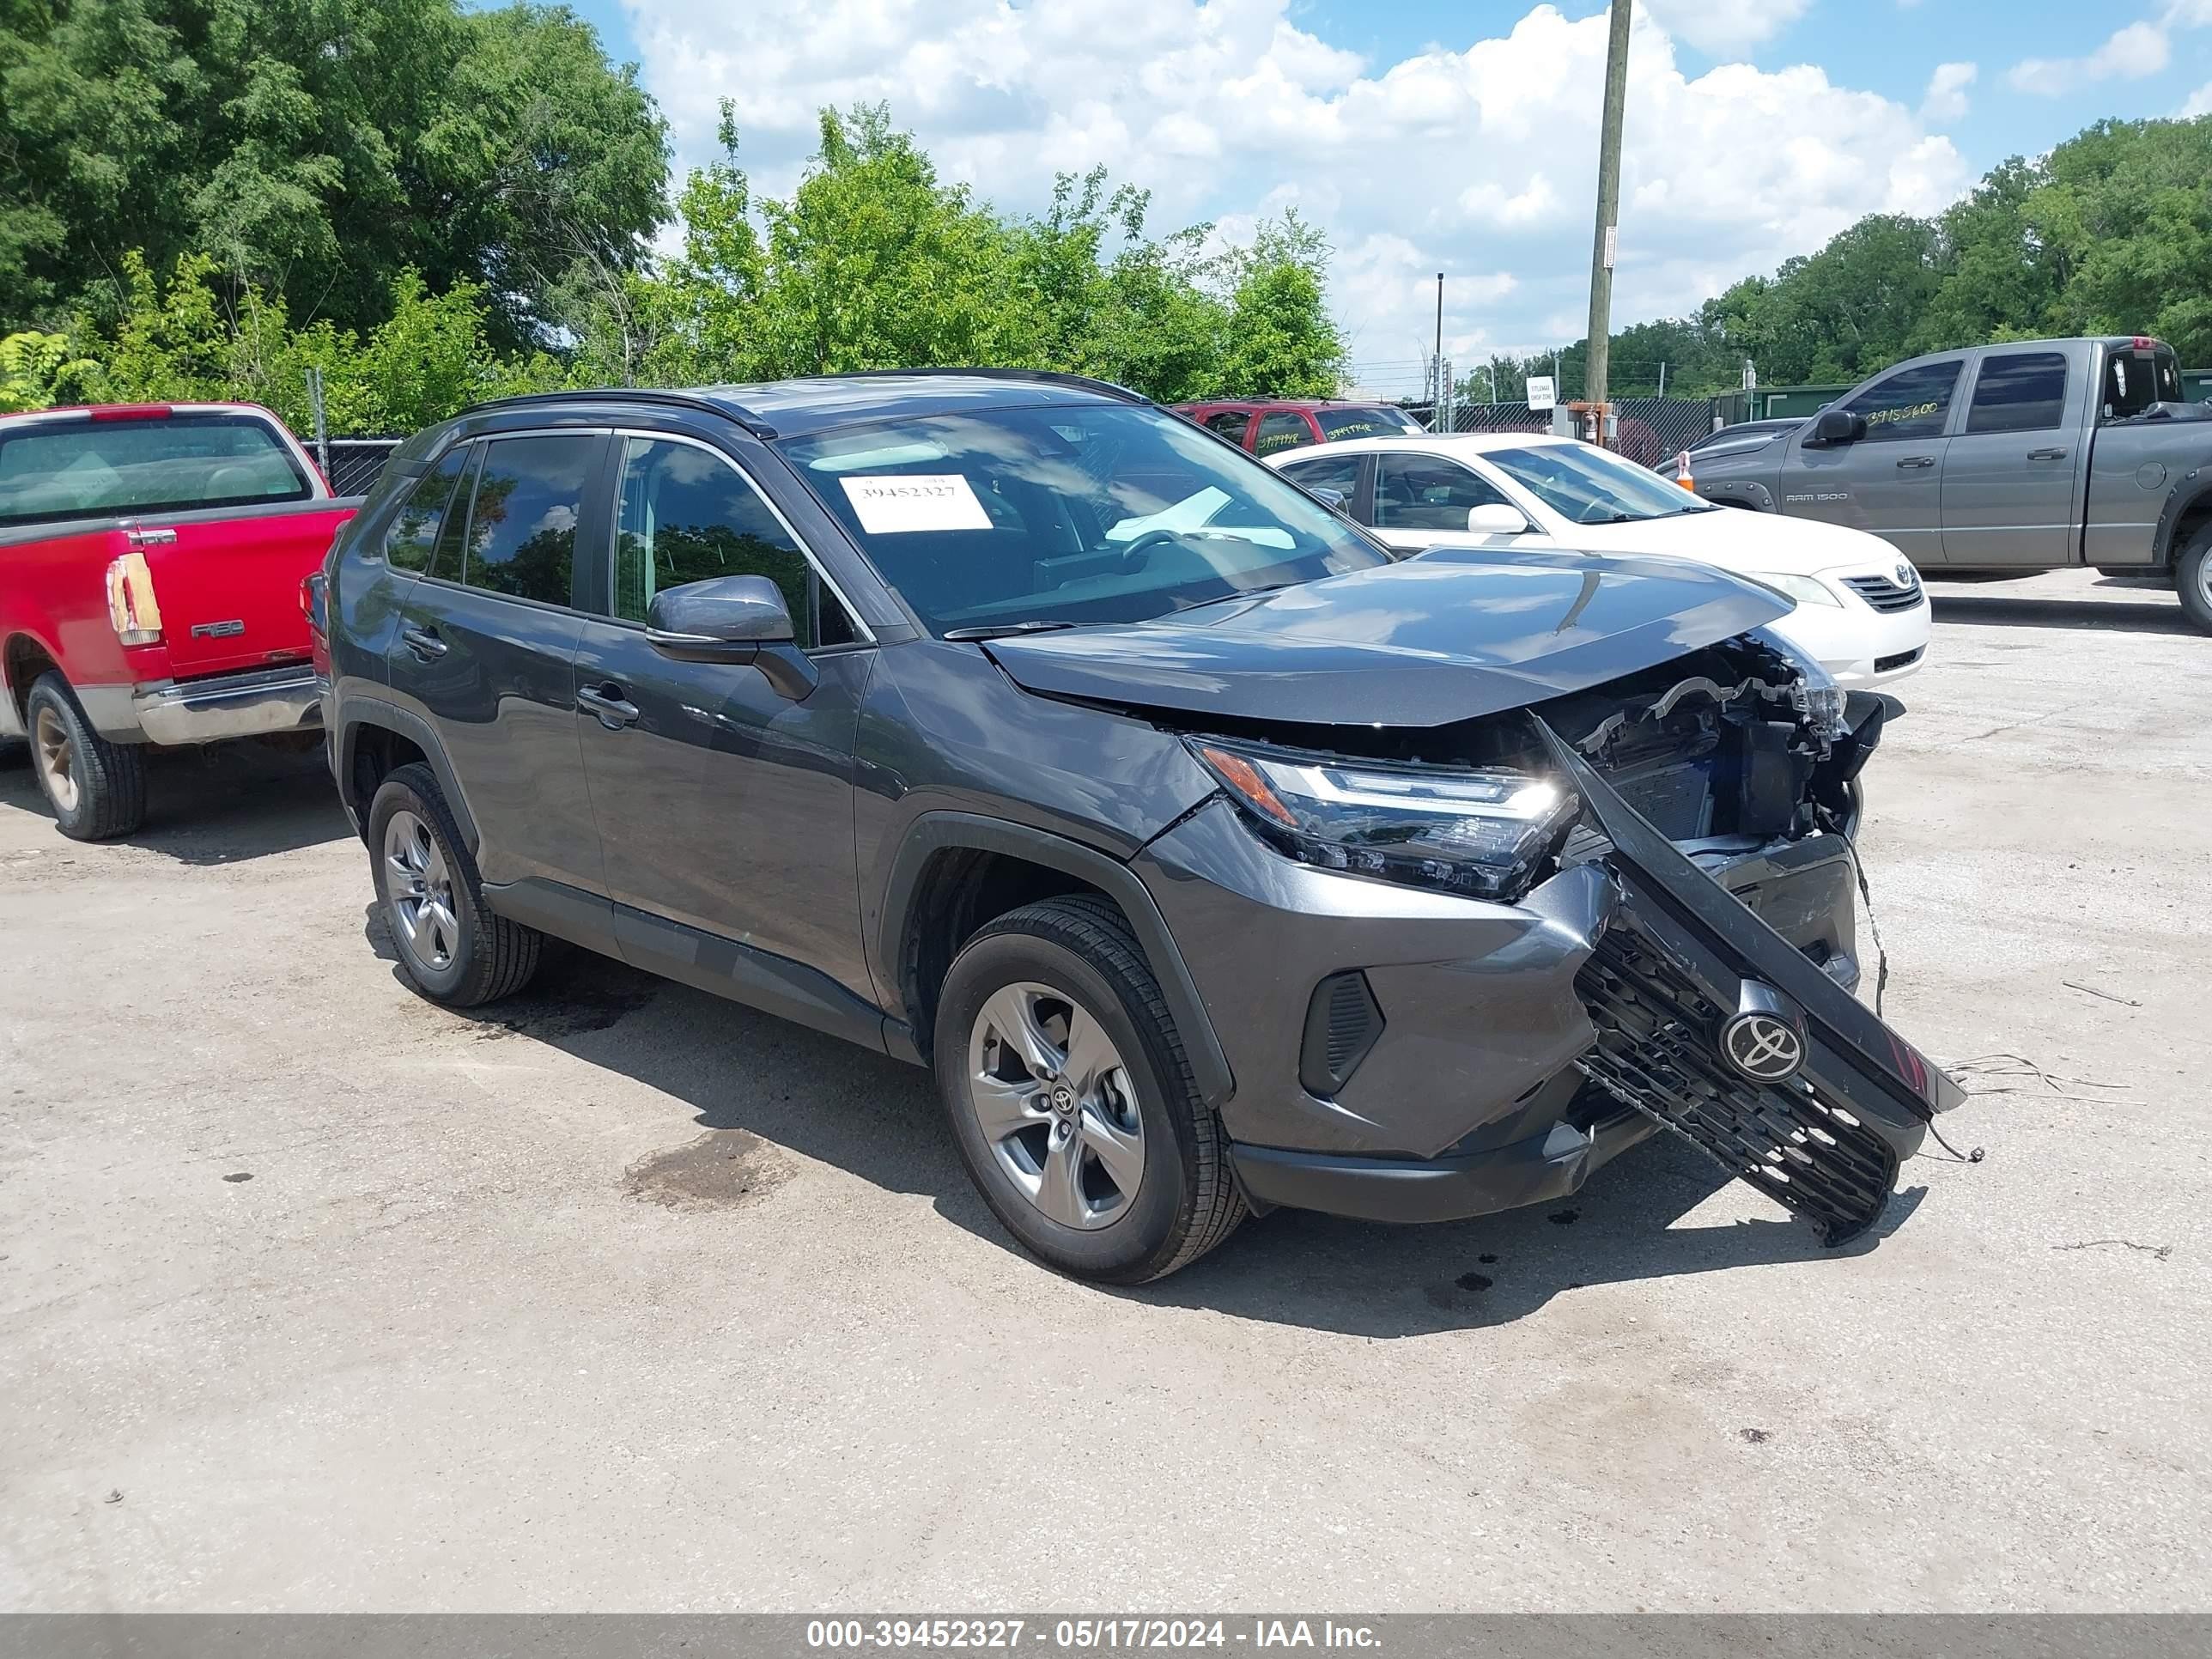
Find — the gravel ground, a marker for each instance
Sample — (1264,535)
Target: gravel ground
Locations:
(313,1296)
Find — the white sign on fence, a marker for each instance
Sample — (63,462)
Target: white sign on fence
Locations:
(1540,395)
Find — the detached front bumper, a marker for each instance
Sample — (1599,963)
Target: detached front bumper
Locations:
(287,698)
(1403,1056)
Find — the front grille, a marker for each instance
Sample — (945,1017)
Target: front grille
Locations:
(1902,659)
(1885,595)
(1655,1051)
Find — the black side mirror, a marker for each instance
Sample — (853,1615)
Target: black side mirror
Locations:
(734,620)
(1831,427)
(1333,500)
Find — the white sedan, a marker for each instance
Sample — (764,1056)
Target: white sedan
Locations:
(1861,612)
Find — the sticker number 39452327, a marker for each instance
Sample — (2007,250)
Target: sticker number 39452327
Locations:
(915,501)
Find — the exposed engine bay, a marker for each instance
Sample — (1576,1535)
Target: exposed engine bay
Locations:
(1728,742)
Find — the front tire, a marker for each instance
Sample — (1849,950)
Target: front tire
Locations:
(1072,1100)
(97,789)
(452,947)
(2192,578)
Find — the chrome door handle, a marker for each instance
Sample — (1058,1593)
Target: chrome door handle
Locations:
(614,710)
(149,537)
(423,643)
(1917,460)
(2047,454)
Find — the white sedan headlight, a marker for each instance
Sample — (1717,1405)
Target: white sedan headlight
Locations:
(1805,590)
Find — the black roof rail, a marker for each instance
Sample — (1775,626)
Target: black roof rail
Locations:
(1043,376)
(744,417)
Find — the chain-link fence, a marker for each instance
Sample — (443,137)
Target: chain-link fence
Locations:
(1652,431)
(356,463)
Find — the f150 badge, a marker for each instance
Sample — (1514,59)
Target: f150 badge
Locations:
(221,630)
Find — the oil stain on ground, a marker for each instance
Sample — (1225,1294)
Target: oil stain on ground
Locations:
(722,1169)
(576,1010)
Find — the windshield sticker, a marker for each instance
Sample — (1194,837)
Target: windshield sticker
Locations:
(914,501)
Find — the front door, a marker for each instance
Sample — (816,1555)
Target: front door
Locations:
(724,801)
(1890,481)
(2009,478)
(486,653)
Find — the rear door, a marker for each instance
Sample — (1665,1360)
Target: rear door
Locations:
(486,645)
(1890,481)
(2011,477)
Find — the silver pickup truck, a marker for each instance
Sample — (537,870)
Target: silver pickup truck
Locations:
(2002,460)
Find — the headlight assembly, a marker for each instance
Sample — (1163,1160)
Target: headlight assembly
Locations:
(1481,834)
(1818,697)
(1805,590)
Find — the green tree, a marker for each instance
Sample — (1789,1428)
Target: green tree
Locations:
(313,149)
(37,370)
(1282,341)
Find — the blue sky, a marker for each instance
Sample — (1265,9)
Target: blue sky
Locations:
(1426,135)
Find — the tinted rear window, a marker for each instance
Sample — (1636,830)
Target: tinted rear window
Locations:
(101,468)
(2019,392)
(522,524)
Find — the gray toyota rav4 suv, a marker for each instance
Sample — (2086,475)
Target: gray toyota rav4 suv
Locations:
(1213,858)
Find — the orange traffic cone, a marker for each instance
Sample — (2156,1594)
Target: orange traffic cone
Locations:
(1682,472)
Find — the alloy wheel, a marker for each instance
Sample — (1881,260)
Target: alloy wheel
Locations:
(421,891)
(57,759)
(1056,1105)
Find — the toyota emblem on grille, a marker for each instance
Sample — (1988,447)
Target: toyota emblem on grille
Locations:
(1904,575)
(1762,1048)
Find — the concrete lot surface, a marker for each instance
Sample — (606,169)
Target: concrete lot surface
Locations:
(313,1296)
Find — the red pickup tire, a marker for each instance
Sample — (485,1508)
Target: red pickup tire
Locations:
(97,788)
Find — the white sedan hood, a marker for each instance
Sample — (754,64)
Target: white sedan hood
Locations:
(1735,538)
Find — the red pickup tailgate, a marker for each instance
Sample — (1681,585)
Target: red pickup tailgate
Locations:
(228,582)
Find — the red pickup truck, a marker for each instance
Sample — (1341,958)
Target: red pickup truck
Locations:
(152,563)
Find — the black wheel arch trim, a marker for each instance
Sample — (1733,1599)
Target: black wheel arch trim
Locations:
(2194,490)
(357,710)
(937,832)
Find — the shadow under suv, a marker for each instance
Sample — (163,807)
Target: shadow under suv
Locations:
(1214,858)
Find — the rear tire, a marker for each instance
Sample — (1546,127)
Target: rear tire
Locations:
(2192,578)
(1072,1100)
(451,946)
(97,788)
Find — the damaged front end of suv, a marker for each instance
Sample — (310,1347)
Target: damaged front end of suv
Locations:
(1472,960)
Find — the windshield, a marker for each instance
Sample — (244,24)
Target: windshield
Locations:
(1089,513)
(92,469)
(1586,485)
(1337,423)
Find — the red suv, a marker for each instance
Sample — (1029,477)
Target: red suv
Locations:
(1267,428)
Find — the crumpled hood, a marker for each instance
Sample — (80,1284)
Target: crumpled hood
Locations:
(1451,636)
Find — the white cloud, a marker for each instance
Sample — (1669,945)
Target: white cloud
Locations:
(1724,28)
(2200,102)
(2132,53)
(1479,161)
(1946,101)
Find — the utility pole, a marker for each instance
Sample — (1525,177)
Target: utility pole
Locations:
(1440,316)
(1608,208)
